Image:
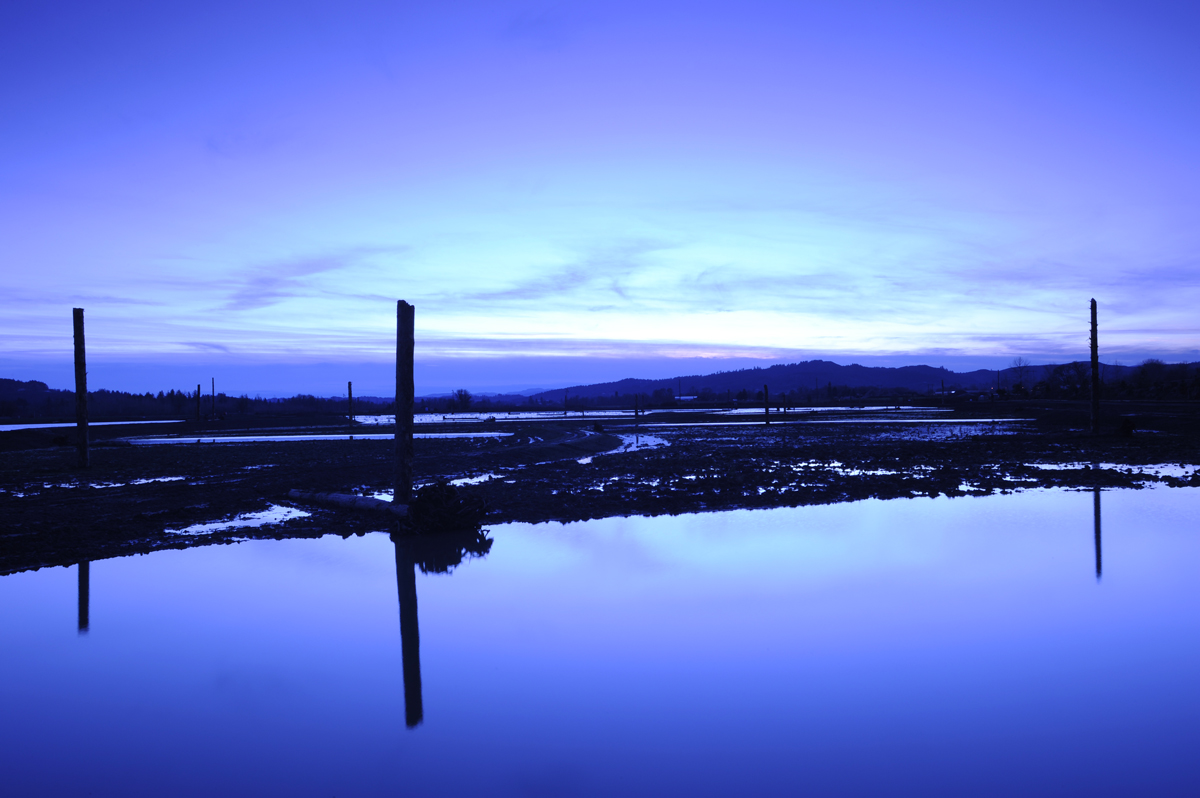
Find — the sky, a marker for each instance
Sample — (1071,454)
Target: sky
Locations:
(576,192)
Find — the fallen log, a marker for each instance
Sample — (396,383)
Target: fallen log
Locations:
(349,500)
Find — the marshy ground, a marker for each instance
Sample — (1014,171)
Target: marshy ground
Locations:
(141,498)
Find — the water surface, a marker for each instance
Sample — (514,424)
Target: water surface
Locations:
(1000,645)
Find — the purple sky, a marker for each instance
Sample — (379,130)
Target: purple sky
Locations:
(243,190)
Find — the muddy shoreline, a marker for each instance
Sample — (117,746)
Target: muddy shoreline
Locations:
(138,499)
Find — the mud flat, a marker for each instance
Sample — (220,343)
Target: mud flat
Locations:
(141,498)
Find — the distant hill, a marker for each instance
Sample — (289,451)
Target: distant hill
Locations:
(815,375)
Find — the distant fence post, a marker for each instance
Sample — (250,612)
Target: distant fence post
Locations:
(1095,374)
(405,318)
(81,409)
(766,403)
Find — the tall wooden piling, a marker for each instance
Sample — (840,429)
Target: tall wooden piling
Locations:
(213,406)
(766,404)
(350,402)
(197,403)
(81,408)
(1095,374)
(405,325)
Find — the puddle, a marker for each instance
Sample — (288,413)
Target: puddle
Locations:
(474,480)
(1154,469)
(13,427)
(325,437)
(275,514)
(629,443)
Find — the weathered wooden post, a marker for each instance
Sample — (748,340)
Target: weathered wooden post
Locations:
(197,403)
(405,325)
(350,402)
(84,598)
(766,403)
(81,410)
(213,408)
(1095,374)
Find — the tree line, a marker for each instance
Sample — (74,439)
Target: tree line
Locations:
(1152,379)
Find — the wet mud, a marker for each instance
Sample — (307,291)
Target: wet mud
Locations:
(138,499)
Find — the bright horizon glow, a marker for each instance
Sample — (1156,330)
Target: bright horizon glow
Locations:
(548,182)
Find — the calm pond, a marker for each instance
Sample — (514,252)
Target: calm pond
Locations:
(924,647)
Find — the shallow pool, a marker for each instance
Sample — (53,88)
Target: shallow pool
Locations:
(1037,643)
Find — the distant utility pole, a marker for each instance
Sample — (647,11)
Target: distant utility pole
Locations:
(1095,374)
(213,409)
(766,404)
(350,401)
(405,316)
(81,409)
(197,403)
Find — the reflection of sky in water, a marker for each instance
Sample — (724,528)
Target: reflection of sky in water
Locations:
(928,646)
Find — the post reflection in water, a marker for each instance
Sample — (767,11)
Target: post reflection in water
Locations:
(410,635)
(1096,517)
(433,553)
(84,568)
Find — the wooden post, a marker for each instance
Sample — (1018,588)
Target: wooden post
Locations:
(405,325)
(84,567)
(350,402)
(766,403)
(1095,374)
(213,408)
(81,410)
(197,403)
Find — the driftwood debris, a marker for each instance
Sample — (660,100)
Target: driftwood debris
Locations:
(349,500)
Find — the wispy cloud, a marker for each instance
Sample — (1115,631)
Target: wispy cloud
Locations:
(205,347)
(276,281)
(597,272)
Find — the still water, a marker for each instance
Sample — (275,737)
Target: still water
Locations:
(1001,645)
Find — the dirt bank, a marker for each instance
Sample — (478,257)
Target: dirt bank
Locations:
(143,498)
